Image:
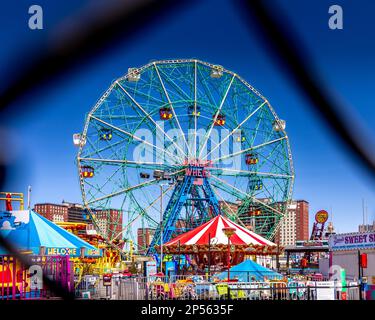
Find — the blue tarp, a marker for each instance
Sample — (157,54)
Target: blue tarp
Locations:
(250,270)
(28,231)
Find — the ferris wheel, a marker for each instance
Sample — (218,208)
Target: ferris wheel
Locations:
(181,141)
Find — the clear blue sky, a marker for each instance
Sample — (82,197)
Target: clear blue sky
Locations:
(212,31)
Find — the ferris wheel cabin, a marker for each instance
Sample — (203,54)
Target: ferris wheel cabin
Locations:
(133,75)
(216,71)
(256,212)
(105,134)
(78,139)
(256,184)
(220,120)
(87,172)
(251,159)
(144,175)
(237,135)
(165,113)
(194,111)
(279,125)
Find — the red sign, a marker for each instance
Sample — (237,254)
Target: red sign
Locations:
(8,202)
(196,172)
(364,260)
(343,295)
(321,216)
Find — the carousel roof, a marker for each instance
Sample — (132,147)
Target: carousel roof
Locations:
(214,229)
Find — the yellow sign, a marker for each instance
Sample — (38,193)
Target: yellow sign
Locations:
(321,216)
(93,252)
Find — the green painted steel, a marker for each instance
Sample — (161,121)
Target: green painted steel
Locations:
(211,116)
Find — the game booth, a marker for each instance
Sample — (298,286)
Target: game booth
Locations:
(250,271)
(46,246)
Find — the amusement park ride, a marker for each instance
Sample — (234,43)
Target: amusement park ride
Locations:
(203,130)
(317,232)
(317,245)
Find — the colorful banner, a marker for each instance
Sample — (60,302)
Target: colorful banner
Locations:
(352,241)
(151,268)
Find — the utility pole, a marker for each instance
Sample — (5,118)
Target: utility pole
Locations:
(360,276)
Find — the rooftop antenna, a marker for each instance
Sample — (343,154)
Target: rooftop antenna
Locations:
(331,214)
(28,197)
(363,212)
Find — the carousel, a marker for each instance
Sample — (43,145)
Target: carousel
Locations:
(218,243)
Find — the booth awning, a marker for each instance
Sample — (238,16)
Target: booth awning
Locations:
(29,231)
(249,271)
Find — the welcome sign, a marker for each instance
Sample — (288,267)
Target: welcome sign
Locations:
(62,251)
(352,241)
(71,251)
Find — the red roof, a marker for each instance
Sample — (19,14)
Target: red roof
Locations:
(213,229)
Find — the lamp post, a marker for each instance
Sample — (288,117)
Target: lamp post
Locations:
(161,224)
(209,256)
(161,175)
(229,231)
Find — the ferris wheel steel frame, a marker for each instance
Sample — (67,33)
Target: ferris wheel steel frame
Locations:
(215,184)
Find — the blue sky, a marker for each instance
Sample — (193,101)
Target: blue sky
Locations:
(212,31)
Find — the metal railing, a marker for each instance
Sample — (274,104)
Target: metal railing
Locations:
(18,281)
(184,288)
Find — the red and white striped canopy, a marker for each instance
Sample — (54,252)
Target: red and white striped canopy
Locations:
(214,229)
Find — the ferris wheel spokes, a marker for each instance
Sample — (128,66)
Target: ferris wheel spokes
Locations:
(132,188)
(234,130)
(143,212)
(233,214)
(117,193)
(179,89)
(246,195)
(163,151)
(135,164)
(171,105)
(249,149)
(195,109)
(216,116)
(247,173)
(150,118)
(178,101)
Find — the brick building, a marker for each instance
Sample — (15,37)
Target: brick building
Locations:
(295,224)
(144,239)
(230,207)
(53,212)
(109,222)
(76,212)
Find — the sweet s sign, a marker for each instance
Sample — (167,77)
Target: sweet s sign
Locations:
(352,241)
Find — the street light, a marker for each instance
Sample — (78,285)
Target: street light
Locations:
(161,224)
(229,231)
(161,175)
